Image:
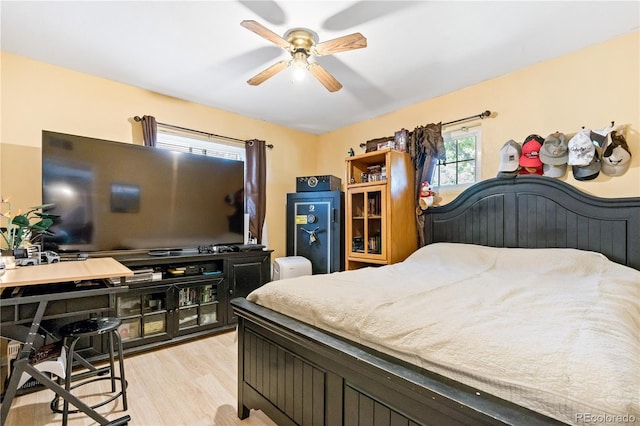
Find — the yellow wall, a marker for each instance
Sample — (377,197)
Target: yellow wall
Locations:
(38,96)
(588,88)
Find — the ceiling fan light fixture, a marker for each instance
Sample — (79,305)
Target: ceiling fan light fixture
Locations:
(299,74)
(300,65)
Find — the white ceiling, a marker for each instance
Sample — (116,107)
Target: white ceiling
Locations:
(197,51)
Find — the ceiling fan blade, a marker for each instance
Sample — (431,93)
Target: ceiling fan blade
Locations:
(341,44)
(264,32)
(324,77)
(268,73)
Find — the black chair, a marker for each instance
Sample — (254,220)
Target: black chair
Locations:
(71,334)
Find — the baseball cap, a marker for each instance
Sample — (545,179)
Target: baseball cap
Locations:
(591,170)
(616,158)
(509,159)
(554,171)
(555,149)
(530,156)
(581,149)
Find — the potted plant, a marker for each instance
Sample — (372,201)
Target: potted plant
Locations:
(24,229)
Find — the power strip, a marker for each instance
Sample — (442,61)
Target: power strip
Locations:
(13,350)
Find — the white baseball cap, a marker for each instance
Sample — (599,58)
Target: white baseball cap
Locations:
(581,149)
(509,159)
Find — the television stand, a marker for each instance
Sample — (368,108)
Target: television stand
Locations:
(185,296)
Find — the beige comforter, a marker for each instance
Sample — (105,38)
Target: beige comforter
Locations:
(555,330)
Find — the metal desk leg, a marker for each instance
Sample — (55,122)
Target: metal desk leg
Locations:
(21,362)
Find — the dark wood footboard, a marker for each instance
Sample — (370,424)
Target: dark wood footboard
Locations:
(299,375)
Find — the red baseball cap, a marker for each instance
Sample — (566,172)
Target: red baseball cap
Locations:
(531,153)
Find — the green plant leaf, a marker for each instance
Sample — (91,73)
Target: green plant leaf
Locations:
(20,220)
(42,225)
(42,207)
(47,215)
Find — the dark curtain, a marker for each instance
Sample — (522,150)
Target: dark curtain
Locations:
(426,147)
(255,186)
(149,130)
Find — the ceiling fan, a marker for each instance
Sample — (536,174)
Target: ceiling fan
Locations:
(303,43)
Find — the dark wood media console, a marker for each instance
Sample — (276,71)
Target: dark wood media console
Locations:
(174,298)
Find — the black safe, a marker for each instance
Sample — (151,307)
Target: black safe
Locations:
(315,229)
(318,183)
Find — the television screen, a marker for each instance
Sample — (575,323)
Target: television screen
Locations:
(120,196)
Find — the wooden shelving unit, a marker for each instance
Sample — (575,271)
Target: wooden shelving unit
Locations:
(380,210)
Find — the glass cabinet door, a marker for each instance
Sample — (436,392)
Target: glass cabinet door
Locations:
(143,313)
(365,211)
(198,305)
(154,313)
(128,309)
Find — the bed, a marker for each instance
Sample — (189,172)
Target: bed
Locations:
(562,347)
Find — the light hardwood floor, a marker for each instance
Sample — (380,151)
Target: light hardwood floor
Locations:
(193,383)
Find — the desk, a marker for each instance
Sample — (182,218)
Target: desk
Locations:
(90,269)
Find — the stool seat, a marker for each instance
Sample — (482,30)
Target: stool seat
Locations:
(90,327)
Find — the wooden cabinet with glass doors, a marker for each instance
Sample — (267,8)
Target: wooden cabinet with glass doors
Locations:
(380,211)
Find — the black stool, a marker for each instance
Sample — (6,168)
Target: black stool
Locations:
(74,332)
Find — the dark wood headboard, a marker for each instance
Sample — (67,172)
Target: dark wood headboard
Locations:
(539,212)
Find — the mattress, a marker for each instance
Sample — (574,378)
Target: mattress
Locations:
(554,330)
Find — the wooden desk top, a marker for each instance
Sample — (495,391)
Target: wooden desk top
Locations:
(98,268)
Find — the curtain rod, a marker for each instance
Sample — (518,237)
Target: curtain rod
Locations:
(481,116)
(200,132)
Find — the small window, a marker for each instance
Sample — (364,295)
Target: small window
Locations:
(462,164)
(199,144)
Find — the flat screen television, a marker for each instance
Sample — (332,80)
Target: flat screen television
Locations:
(119,196)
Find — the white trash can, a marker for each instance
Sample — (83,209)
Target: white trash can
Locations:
(291,266)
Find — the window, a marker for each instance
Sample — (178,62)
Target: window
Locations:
(199,144)
(462,163)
